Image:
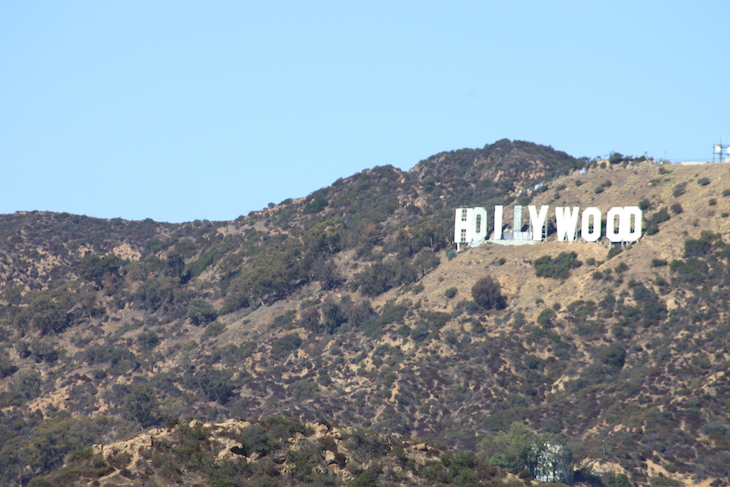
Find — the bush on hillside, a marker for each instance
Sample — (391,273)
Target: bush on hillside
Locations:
(96,267)
(385,275)
(487,293)
(679,189)
(201,312)
(141,405)
(558,268)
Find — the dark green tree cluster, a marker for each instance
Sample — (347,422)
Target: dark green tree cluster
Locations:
(652,223)
(557,268)
(55,310)
(201,311)
(98,267)
(487,293)
(141,405)
(215,384)
(385,275)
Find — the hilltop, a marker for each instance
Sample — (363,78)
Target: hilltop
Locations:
(350,307)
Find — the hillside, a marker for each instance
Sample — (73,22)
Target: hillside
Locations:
(349,307)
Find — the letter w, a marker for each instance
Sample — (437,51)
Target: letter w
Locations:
(567,223)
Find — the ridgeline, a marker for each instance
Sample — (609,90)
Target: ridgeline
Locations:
(338,339)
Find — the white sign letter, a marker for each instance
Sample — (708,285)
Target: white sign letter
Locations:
(461,225)
(632,232)
(479,224)
(614,232)
(537,221)
(498,212)
(567,223)
(629,224)
(591,230)
(517,225)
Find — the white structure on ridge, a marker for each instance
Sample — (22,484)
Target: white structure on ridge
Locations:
(470,226)
(623,225)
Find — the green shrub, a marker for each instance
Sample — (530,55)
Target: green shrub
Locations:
(148,340)
(664,482)
(393,313)
(653,309)
(614,251)
(285,345)
(310,319)
(616,158)
(228,473)
(27,384)
(333,314)
(283,428)
(317,203)
(49,311)
(255,439)
(652,224)
(214,329)
(157,294)
(216,384)
(382,276)
(50,440)
(558,268)
(141,405)
(365,479)
(679,189)
(201,312)
(367,444)
(420,333)
(546,317)
(210,256)
(451,292)
(303,389)
(509,447)
(404,331)
(41,482)
(81,454)
(703,181)
(676,208)
(702,246)
(726,192)
(425,261)
(283,320)
(611,479)
(305,459)
(613,355)
(487,293)
(97,267)
(477,328)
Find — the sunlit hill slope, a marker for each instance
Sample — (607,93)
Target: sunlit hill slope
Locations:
(335,339)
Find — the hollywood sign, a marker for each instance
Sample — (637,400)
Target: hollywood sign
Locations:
(623,224)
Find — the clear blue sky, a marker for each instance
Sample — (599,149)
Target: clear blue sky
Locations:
(181,110)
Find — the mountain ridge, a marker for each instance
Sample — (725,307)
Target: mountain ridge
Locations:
(345,305)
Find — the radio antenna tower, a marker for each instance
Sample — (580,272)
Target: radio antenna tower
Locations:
(719,149)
